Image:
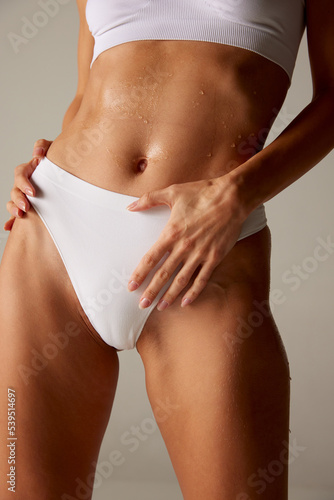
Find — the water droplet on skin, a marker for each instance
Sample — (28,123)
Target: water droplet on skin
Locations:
(210,154)
(239,136)
(140,117)
(170,74)
(233,145)
(145,121)
(201,92)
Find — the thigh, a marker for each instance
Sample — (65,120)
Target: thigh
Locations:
(224,371)
(63,379)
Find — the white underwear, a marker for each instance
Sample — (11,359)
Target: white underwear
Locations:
(101,243)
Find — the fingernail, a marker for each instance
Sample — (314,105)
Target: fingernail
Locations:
(185,302)
(133,285)
(162,305)
(39,152)
(144,303)
(22,206)
(132,205)
(35,162)
(29,192)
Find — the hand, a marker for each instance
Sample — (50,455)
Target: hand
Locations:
(205,223)
(19,202)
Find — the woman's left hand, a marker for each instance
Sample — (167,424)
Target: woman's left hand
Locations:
(205,223)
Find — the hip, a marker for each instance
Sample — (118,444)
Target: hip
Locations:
(87,205)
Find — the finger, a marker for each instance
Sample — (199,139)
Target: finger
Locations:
(161,277)
(199,284)
(9,224)
(180,281)
(14,210)
(19,199)
(38,152)
(154,198)
(40,148)
(181,250)
(22,173)
(147,263)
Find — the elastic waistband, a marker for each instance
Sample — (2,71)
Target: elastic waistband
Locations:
(117,201)
(80,188)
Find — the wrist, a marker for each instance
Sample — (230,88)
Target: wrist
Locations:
(230,187)
(245,188)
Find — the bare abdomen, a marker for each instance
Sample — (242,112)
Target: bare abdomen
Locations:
(156,114)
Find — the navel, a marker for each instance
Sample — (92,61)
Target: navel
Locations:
(141,165)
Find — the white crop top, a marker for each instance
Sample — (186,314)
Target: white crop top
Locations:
(271,28)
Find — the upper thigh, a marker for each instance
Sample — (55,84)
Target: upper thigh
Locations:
(38,304)
(64,379)
(227,337)
(227,340)
(33,279)
(240,281)
(222,367)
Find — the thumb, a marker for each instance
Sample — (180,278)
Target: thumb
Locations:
(40,148)
(9,224)
(151,199)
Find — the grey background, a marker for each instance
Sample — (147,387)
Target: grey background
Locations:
(38,83)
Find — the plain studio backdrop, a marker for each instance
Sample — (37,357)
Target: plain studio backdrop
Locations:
(39,77)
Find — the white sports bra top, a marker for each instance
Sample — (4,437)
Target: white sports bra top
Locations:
(271,28)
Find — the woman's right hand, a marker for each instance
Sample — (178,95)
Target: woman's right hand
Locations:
(19,202)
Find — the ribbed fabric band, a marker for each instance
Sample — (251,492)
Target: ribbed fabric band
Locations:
(181,20)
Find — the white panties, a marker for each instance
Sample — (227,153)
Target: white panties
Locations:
(101,244)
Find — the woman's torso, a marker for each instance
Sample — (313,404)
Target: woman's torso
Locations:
(191,109)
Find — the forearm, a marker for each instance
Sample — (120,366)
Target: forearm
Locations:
(305,142)
(71,111)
